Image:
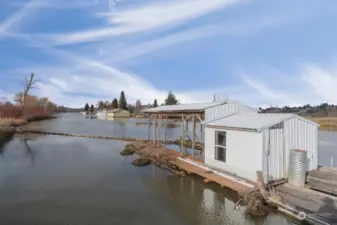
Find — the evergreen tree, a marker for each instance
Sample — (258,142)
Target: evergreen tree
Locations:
(86,107)
(114,103)
(122,101)
(131,108)
(171,99)
(155,104)
(106,105)
(92,108)
(100,105)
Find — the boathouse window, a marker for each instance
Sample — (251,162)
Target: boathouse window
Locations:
(220,146)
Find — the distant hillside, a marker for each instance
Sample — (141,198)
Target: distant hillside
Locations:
(322,110)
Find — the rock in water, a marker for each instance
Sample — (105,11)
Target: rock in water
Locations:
(127,152)
(141,162)
(129,149)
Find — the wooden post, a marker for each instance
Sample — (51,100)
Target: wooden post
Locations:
(262,190)
(149,129)
(154,130)
(193,136)
(182,135)
(165,131)
(159,127)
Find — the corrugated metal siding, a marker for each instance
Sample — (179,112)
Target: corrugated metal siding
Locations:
(224,110)
(301,134)
(273,141)
(297,134)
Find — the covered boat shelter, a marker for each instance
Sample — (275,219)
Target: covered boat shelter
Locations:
(194,112)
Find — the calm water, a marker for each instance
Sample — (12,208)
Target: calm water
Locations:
(78,181)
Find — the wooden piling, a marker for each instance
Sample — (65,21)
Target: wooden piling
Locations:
(193,136)
(154,131)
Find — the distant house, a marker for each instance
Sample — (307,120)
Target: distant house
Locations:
(118,113)
(113,114)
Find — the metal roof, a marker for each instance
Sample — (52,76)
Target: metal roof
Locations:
(254,121)
(193,107)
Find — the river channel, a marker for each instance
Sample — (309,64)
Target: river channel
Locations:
(60,180)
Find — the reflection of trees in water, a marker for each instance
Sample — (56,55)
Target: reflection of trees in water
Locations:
(29,152)
(5,138)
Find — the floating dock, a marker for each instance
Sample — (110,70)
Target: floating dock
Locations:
(315,203)
(313,206)
(324,180)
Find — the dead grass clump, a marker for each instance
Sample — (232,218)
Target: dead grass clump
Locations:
(255,204)
(129,149)
(6,122)
(141,162)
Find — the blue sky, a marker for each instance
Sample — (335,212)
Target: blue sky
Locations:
(259,52)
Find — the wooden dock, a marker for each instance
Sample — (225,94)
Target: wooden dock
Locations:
(316,202)
(318,207)
(209,176)
(324,180)
(172,158)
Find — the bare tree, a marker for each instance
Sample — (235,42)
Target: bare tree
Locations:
(29,83)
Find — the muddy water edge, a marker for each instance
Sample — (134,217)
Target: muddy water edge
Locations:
(69,180)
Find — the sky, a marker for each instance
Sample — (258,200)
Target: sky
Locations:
(259,52)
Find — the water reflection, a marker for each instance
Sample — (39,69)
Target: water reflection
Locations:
(29,152)
(24,138)
(118,120)
(5,138)
(203,204)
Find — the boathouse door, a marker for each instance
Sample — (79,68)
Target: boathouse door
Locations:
(276,152)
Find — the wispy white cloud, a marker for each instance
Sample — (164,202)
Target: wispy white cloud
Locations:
(148,17)
(59,4)
(17,17)
(270,94)
(93,79)
(222,29)
(322,81)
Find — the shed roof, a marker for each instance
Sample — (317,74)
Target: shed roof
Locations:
(193,107)
(254,121)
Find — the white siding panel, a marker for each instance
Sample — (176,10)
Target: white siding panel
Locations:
(276,166)
(296,134)
(301,134)
(224,110)
(243,153)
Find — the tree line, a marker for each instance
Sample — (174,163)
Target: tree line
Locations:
(121,103)
(323,109)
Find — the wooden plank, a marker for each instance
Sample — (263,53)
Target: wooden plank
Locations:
(223,181)
(324,179)
(316,204)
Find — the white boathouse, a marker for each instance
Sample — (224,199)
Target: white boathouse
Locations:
(240,141)
(244,143)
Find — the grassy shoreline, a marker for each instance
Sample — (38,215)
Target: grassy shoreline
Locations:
(6,123)
(326,123)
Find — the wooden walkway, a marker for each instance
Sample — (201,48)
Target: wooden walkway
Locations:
(209,176)
(319,207)
(185,163)
(324,180)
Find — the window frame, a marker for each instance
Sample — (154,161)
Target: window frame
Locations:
(222,147)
